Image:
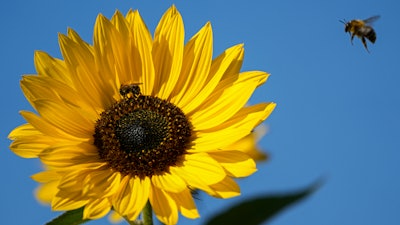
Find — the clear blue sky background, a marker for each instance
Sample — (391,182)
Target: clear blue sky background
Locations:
(338,106)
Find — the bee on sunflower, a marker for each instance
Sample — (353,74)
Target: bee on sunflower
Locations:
(135,121)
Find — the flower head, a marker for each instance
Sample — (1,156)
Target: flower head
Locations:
(133,119)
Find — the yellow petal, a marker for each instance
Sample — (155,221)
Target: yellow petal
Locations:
(228,98)
(40,87)
(72,181)
(196,67)
(117,33)
(164,206)
(227,188)
(26,149)
(185,203)
(236,163)
(46,192)
(47,66)
(132,196)
(115,217)
(201,163)
(29,142)
(82,69)
(232,130)
(141,52)
(45,127)
(64,155)
(71,120)
(169,182)
(247,117)
(248,144)
(66,203)
(104,182)
(45,88)
(23,131)
(121,25)
(73,35)
(212,141)
(85,74)
(96,208)
(219,67)
(122,198)
(234,66)
(34,91)
(112,61)
(46,176)
(168,52)
(30,147)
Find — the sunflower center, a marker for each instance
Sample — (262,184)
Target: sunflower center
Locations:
(142,135)
(141,130)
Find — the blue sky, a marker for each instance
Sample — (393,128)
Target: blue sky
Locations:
(338,106)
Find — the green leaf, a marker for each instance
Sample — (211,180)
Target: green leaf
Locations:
(73,217)
(262,208)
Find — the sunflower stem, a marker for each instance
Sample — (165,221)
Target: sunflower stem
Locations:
(148,214)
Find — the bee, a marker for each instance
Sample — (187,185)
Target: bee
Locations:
(362,29)
(126,89)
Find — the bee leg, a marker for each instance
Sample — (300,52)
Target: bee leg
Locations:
(351,39)
(364,43)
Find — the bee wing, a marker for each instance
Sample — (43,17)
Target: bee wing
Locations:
(371,19)
(365,29)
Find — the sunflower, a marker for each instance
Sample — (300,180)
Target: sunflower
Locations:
(133,120)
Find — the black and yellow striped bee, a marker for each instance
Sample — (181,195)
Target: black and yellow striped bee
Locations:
(362,29)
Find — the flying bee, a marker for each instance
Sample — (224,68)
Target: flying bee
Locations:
(361,29)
